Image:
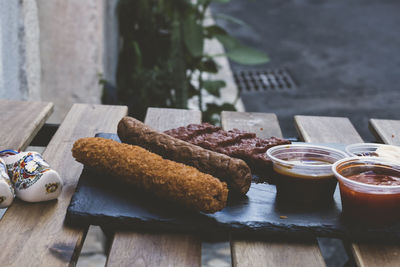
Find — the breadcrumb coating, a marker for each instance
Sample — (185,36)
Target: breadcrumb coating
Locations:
(145,170)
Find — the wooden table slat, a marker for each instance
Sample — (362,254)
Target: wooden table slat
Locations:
(154,249)
(326,130)
(387,131)
(158,249)
(20,121)
(35,232)
(263,124)
(164,119)
(276,253)
(316,129)
(268,252)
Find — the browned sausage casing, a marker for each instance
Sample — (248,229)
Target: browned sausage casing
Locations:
(163,178)
(235,172)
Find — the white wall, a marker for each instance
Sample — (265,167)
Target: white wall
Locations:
(111,40)
(56,50)
(9,56)
(11,60)
(32,52)
(71,49)
(19,58)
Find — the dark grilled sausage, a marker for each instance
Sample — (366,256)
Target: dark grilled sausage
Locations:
(234,172)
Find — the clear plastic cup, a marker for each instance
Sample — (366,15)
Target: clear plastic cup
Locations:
(363,149)
(372,204)
(303,173)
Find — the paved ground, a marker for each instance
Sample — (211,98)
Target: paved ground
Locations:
(343,55)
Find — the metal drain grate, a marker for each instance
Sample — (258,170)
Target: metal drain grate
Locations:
(264,80)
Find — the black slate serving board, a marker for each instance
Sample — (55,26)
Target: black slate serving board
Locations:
(97,201)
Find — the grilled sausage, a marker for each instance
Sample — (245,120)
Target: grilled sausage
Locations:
(234,172)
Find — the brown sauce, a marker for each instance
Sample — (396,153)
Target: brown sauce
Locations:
(315,191)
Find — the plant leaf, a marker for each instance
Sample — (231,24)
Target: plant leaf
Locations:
(193,36)
(208,65)
(221,1)
(138,55)
(214,30)
(240,53)
(227,41)
(192,91)
(213,87)
(213,111)
(228,106)
(231,19)
(247,56)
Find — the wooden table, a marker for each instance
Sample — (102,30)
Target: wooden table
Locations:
(35,234)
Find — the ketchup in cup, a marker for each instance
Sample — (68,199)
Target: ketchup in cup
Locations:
(369,189)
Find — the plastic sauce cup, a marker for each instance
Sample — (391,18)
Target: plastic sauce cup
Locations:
(303,173)
(363,149)
(371,204)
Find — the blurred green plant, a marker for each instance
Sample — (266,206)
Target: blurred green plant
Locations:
(162,61)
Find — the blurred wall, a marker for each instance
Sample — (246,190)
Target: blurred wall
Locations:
(71,52)
(111,41)
(19,50)
(63,62)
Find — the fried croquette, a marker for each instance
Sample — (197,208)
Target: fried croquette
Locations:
(145,170)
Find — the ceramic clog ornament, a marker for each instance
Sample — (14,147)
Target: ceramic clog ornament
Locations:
(6,188)
(32,177)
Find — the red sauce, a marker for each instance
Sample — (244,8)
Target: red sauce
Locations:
(371,177)
(368,208)
(371,208)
